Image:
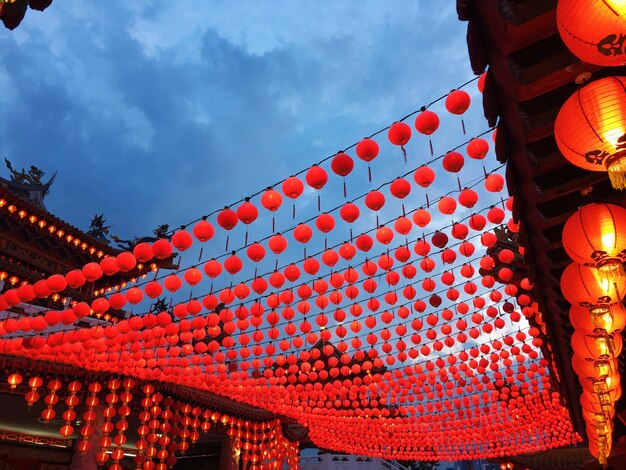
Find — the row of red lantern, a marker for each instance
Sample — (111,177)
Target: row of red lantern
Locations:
(595,284)
(164,421)
(144,252)
(525,407)
(114,358)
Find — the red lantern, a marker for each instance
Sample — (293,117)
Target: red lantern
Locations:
(277,243)
(468,198)
(453,162)
(399,133)
(325,222)
(590,128)
(342,164)
(203,231)
(303,233)
(424,176)
(457,101)
(293,187)
(375,200)
(582,285)
(421,217)
(316,177)
(477,148)
(595,235)
(161,249)
(247,213)
(271,199)
(182,240)
(400,188)
(592,30)
(494,183)
(367,149)
(426,122)
(227,218)
(349,212)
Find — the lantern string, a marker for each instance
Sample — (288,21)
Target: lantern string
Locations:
(304,170)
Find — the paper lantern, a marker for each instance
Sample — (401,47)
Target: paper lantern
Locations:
(426,122)
(593,30)
(367,149)
(424,176)
(316,177)
(590,129)
(203,231)
(453,162)
(271,200)
(593,348)
(457,101)
(582,285)
(399,133)
(292,187)
(595,235)
(342,164)
(246,212)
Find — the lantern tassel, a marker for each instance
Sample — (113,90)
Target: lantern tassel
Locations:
(293,211)
(227,237)
(369,173)
(427,201)
(430,143)
(463,126)
(403,153)
(319,203)
(617,174)
(273,227)
(246,236)
(345,193)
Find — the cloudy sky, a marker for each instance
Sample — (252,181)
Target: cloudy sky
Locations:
(157,112)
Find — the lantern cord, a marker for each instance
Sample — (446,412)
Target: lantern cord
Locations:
(430,143)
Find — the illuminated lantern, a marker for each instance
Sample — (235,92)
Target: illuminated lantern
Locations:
(203,231)
(342,164)
(109,265)
(590,129)
(599,320)
(367,149)
(453,162)
(595,235)
(14,380)
(593,348)
(76,279)
(399,133)
(271,200)
(477,148)
(424,176)
(582,285)
(316,177)
(593,30)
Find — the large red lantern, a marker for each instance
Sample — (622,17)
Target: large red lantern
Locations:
(593,30)
(582,285)
(590,128)
(595,235)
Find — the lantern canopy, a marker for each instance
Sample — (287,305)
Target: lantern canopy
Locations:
(593,30)
(590,129)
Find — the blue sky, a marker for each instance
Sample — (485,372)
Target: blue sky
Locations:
(154,112)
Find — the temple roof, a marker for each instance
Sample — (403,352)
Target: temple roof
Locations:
(12,12)
(530,75)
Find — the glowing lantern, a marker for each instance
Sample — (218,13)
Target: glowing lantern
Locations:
(590,128)
(595,235)
(593,30)
(14,380)
(582,285)
(593,348)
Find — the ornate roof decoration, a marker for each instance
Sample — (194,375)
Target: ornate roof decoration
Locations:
(12,11)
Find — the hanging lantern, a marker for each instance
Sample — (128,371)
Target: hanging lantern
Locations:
(582,285)
(593,30)
(595,235)
(590,129)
